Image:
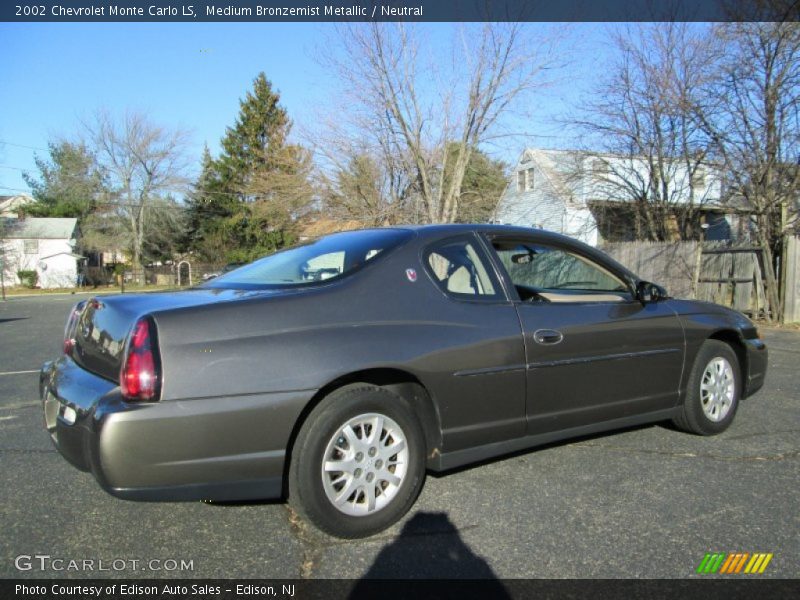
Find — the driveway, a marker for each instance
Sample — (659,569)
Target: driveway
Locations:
(644,502)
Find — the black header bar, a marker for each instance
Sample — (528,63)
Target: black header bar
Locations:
(190,11)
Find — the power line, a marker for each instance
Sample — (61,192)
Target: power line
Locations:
(13,189)
(118,204)
(24,146)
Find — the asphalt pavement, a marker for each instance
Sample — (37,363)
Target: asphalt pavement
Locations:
(645,502)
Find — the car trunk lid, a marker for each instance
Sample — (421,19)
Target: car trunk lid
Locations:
(106,321)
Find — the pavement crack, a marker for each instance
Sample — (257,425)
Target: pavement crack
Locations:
(745,436)
(312,549)
(26,451)
(757,458)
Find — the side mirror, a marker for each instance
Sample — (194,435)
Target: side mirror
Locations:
(650,292)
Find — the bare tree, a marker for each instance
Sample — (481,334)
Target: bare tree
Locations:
(360,189)
(653,157)
(424,119)
(141,161)
(751,111)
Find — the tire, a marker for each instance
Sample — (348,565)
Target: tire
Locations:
(713,390)
(380,477)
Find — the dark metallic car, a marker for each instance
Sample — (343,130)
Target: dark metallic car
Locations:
(336,373)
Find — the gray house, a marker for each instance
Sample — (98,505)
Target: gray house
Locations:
(589,196)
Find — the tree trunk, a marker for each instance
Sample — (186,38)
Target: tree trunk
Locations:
(775,312)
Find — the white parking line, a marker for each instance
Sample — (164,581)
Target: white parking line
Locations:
(19,372)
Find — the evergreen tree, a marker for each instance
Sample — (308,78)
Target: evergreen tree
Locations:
(209,208)
(245,200)
(69,184)
(483,183)
(257,136)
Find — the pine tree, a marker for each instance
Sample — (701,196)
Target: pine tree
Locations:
(209,207)
(259,133)
(243,206)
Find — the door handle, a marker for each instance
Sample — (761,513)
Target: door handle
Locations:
(547,336)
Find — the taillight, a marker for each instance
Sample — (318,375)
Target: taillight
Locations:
(140,377)
(72,325)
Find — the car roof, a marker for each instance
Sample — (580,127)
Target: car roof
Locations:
(437,230)
(433,232)
(495,228)
(511,231)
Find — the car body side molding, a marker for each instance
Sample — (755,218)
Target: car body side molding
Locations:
(459,458)
(588,359)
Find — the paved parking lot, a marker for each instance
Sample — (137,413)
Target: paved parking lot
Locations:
(645,502)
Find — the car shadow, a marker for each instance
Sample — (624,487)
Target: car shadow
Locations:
(13,319)
(429,546)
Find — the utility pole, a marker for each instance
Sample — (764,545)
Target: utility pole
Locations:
(3,272)
(2,262)
(784,253)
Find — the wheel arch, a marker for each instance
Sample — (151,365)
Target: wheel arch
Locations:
(734,340)
(398,381)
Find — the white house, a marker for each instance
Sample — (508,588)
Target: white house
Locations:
(588,195)
(44,245)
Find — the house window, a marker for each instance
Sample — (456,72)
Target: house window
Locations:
(525,180)
(31,246)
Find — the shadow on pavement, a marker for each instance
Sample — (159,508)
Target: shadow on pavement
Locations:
(430,547)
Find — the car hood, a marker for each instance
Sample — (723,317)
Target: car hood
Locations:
(700,307)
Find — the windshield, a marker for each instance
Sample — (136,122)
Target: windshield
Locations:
(318,260)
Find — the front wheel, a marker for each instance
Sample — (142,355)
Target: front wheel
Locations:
(358,462)
(713,391)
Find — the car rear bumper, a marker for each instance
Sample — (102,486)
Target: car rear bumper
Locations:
(227,448)
(757,358)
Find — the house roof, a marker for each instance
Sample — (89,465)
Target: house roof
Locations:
(72,254)
(10,204)
(40,228)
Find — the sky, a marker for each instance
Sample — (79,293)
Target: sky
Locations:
(192,76)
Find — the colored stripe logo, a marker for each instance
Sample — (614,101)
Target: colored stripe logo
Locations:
(729,563)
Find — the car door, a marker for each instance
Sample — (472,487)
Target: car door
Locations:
(477,372)
(593,351)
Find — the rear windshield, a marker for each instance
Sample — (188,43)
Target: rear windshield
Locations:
(313,262)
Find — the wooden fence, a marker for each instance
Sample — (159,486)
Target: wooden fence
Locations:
(791,281)
(714,271)
(731,276)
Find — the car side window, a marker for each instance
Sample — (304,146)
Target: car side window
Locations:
(460,271)
(549,274)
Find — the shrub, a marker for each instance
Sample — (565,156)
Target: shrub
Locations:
(28,278)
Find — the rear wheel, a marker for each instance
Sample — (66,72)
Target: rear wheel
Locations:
(713,391)
(358,462)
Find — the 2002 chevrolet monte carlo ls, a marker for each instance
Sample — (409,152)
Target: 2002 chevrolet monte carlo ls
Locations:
(337,372)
